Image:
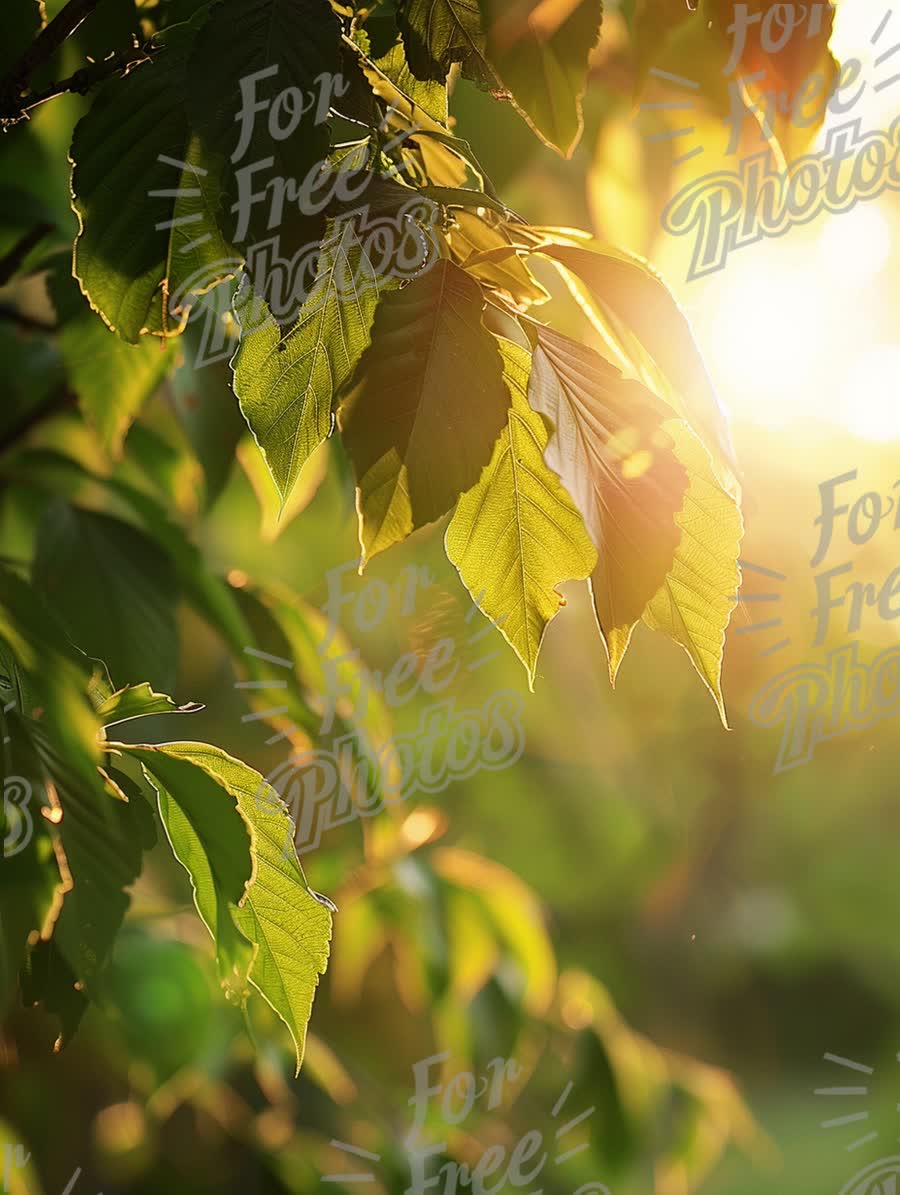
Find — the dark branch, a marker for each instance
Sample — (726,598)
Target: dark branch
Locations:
(81,82)
(11,261)
(44,46)
(27,323)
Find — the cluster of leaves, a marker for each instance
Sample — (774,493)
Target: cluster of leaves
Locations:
(552,461)
(438,386)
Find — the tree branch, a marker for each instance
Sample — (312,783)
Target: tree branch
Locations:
(28,323)
(81,81)
(16,101)
(11,261)
(44,46)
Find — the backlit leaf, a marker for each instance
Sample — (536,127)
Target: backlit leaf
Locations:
(539,51)
(137,261)
(246,877)
(139,701)
(516,535)
(437,33)
(695,602)
(287,385)
(430,403)
(613,456)
(645,327)
(112,379)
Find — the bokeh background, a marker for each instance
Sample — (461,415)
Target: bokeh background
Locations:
(641,904)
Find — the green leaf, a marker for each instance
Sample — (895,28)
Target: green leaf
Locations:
(516,535)
(30,877)
(207,410)
(428,96)
(246,876)
(111,378)
(617,463)
(694,604)
(139,701)
(138,263)
(103,834)
(430,404)
(287,386)
(296,42)
(437,33)
(46,675)
(114,589)
(48,980)
(540,54)
(203,588)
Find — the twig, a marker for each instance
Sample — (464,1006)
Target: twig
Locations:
(44,46)
(81,81)
(30,323)
(11,261)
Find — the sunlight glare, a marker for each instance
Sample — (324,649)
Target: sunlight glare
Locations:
(855,245)
(871,399)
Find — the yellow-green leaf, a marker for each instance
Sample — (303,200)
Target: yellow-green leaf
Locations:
(694,604)
(246,878)
(517,535)
(287,385)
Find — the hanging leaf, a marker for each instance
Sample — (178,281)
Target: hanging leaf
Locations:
(428,97)
(539,51)
(422,423)
(102,834)
(249,886)
(138,263)
(287,385)
(114,589)
(516,535)
(276,515)
(695,602)
(437,33)
(613,456)
(644,326)
(112,379)
(247,55)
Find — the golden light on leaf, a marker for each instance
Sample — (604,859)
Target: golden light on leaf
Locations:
(637,464)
